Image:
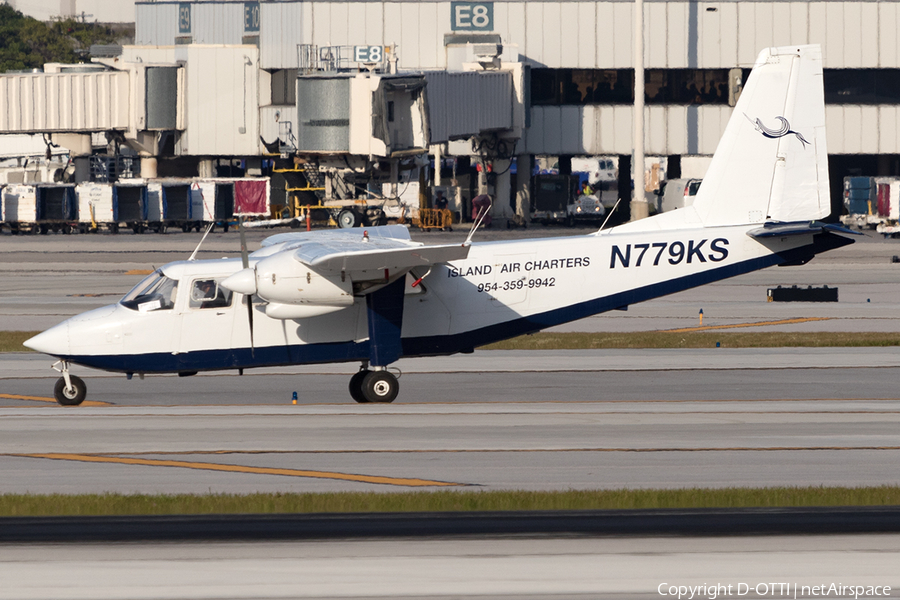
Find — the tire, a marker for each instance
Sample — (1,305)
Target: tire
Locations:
(356,386)
(114,228)
(380,386)
(72,397)
(347,219)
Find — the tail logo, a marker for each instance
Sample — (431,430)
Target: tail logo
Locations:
(782,131)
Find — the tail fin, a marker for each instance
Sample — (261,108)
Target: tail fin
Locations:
(772,162)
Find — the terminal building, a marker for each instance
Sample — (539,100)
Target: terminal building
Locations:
(368,90)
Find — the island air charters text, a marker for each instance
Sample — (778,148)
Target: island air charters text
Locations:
(774,590)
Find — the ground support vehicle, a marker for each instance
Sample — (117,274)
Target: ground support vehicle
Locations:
(586,207)
(552,195)
(434,218)
(677,193)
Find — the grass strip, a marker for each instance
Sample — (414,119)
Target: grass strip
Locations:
(22,505)
(699,339)
(11,341)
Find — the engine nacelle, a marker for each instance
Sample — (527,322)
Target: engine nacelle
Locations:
(281,279)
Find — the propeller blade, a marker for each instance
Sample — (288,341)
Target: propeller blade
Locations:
(250,320)
(245,261)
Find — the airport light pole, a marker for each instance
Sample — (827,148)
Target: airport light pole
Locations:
(639,207)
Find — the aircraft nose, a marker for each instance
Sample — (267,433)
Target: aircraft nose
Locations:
(54,341)
(242,282)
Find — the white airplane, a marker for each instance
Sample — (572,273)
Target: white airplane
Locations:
(375,296)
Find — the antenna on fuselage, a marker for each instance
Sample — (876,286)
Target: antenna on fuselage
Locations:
(615,206)
(197,249)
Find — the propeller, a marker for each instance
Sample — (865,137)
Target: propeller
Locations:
(245,262)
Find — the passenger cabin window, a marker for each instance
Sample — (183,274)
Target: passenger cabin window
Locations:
(156,292)
(206,293)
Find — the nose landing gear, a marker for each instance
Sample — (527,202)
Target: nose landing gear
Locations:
(378,385)
(70,390)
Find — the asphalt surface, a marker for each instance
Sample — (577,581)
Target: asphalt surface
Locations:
(500,568)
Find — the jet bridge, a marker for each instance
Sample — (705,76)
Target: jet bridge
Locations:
(81,99)
(397,115)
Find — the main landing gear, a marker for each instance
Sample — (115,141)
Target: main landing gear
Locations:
(69,390)
(377,385)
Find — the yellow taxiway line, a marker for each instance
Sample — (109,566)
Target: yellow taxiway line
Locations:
(738,325)
(53,400)
(400,481)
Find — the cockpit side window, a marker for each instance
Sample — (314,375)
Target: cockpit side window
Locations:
(207,293)
(156,292)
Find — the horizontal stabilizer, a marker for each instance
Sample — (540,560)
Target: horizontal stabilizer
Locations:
(776,229)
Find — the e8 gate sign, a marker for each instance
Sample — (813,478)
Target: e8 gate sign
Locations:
(472,16)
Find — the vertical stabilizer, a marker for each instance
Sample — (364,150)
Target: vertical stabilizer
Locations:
(772,161)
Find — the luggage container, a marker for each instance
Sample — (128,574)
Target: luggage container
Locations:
(130,205)
(95,206)
(154,207)
(57,208)
(213,201)
(177,205)
(20,208)
(252,197)
(220,200)
(860,202)
(888,205)
(111,206)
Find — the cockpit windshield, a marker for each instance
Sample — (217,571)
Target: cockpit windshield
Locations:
(156,292)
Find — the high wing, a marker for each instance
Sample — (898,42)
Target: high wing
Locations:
(372,249)
(309,273)
(351,257)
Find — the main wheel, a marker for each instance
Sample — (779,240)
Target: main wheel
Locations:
(380,386)
(347,218)
(70,397)
(356,382)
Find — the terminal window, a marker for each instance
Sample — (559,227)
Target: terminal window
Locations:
(616,86)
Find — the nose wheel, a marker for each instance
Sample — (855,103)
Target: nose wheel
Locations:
(374,386)
(71,394)
(69,390)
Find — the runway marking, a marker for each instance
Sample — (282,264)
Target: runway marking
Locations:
(139,272)
(738,325)
(53,400)
(399,481)
(113,458)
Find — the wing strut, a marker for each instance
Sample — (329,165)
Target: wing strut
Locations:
(384,309)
